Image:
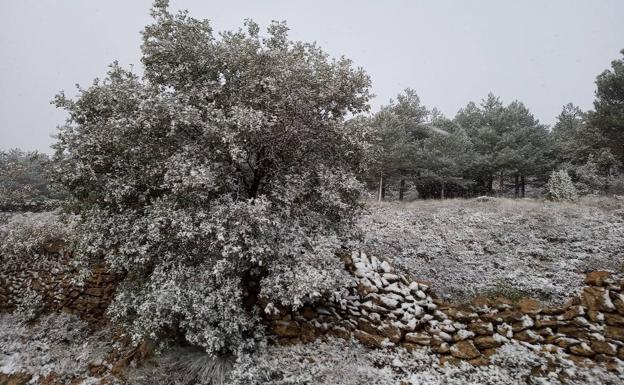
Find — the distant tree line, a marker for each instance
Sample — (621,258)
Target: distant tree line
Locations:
(487,148)
(25,181)
(493,148)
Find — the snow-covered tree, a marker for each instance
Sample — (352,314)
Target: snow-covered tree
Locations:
(24,179)
(396,129)
(221,181)
(560,187)
(608,116)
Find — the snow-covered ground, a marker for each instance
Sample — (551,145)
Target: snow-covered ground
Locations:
(58,345)
(464,247)
(340,362)
(63,345)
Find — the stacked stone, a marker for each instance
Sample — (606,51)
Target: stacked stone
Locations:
(380,309)
(54,279)
(394,311)
(592,325)
(49,276)
(91,300)
(383,309)
(390,308)
(589,326)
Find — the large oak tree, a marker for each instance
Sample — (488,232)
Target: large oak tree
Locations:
(222,180)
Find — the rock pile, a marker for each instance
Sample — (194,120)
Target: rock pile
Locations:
(384,309)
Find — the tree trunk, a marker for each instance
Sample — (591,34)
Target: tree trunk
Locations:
(517,186)
(501,183)
(442,191)
(490,183)
(401,189)
(381,194)
(522,183)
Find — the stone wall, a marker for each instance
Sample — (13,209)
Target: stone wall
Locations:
(384,309)
(53,278)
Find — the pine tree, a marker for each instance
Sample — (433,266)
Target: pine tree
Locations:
(608,114)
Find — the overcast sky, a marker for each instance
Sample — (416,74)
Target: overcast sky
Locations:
(543,53)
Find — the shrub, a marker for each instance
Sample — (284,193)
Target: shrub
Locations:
(30,305)
(60,347)
(589,179)
(26,240)
(560,187)
(25,181)
(589,182)
(221,181)
(184,366)
(505,291)
(326,362)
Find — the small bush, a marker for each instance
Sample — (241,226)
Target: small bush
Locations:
(25,181)
(560,187)
(30,306)
(329,362)
(185,366)
(32,233)
(27,240)
(616,185)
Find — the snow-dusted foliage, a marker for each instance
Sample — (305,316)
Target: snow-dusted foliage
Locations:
(63,345)
(183,366)
(560,187)
(320,362)
(589,179)
(30,305)
(222,179)
(467,247)
(24,181)
(24,238)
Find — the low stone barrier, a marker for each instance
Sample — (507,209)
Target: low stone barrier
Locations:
(384,309)
(53,279)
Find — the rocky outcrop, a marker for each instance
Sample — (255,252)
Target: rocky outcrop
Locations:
(384,309)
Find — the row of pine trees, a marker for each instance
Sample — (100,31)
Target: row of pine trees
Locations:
(493,148)
(487,148)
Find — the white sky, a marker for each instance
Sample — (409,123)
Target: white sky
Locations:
(544,53)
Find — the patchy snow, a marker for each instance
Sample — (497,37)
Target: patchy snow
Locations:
(57,343)
(466,247)
(333,362)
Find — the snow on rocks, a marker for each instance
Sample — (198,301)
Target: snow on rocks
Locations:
(385,309)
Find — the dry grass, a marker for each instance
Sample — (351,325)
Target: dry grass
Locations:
(596,201)
(184,366)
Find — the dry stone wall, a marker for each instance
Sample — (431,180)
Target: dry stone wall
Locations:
(51,280)
(384,309)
